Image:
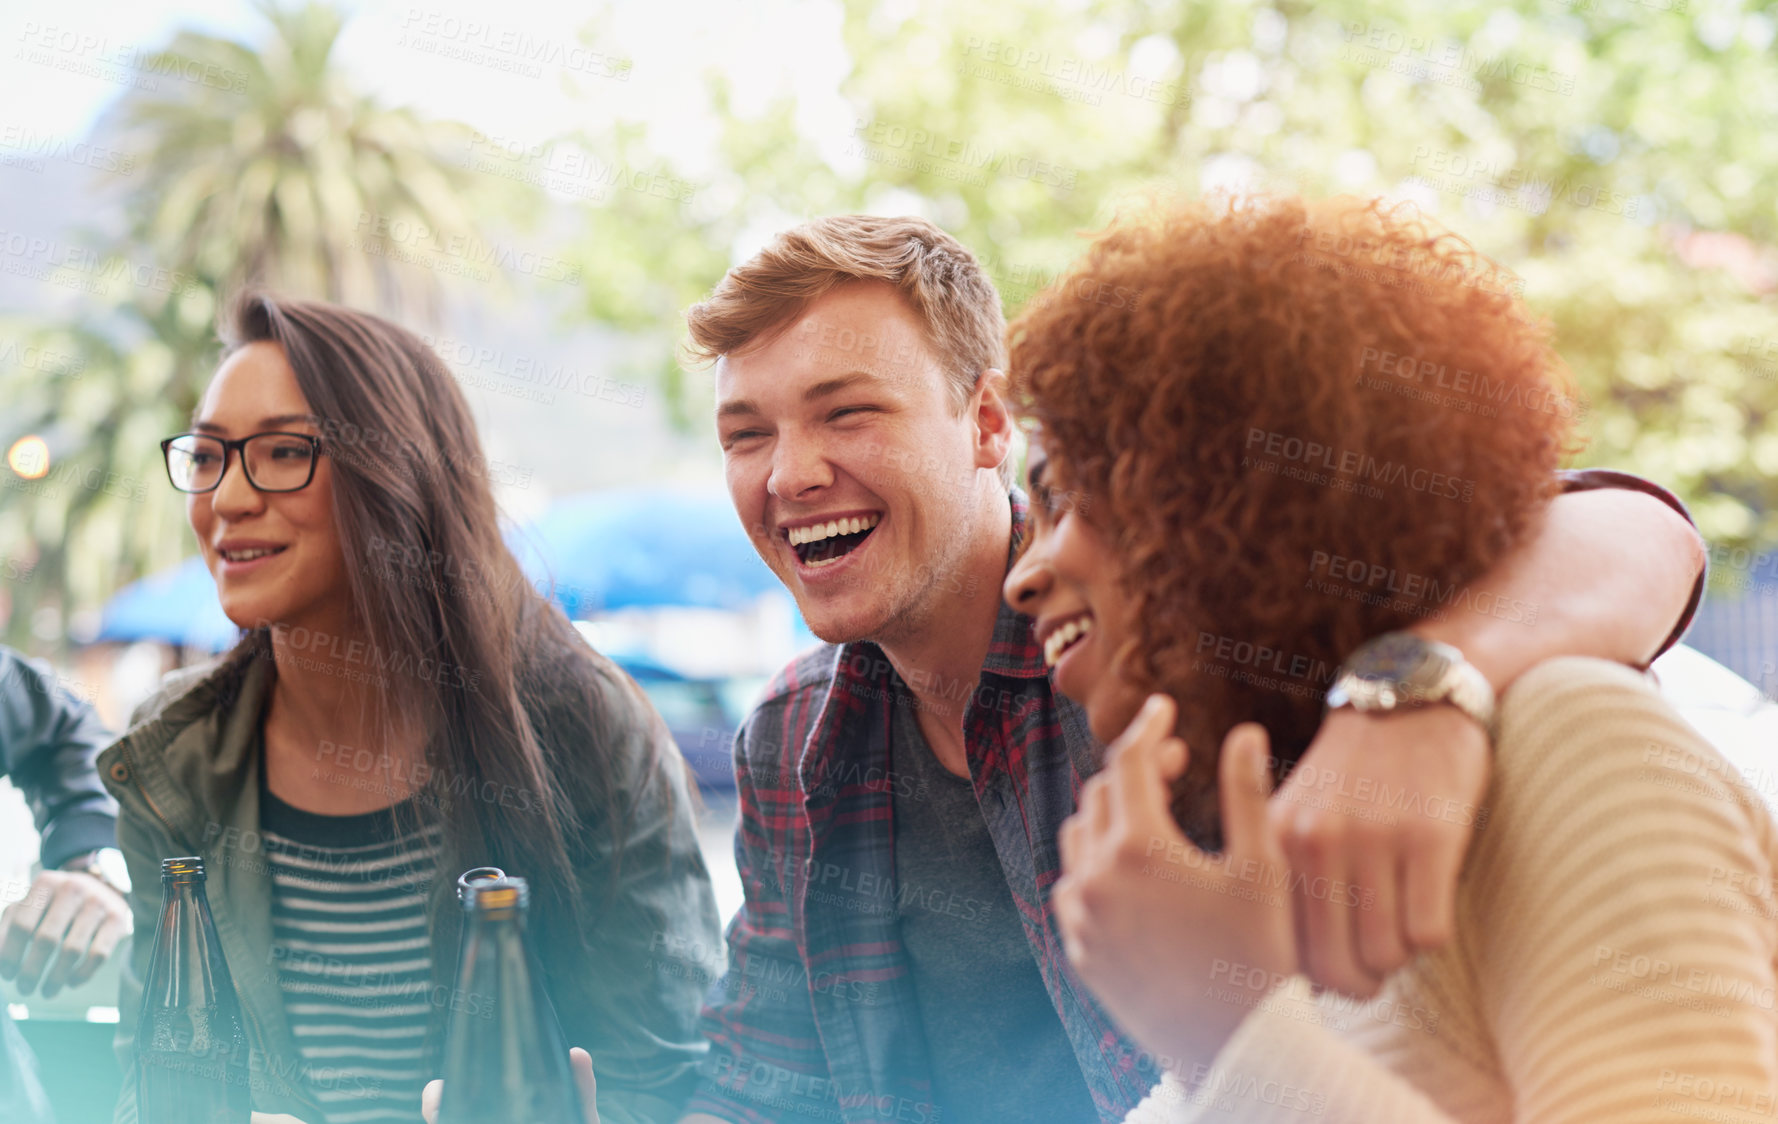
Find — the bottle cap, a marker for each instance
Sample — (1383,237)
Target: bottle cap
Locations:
(473,875)
(493,894)
(189,869)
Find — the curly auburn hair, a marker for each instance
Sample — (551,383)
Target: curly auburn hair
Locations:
(1310,425)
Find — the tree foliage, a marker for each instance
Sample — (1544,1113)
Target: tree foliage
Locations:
(1615,154)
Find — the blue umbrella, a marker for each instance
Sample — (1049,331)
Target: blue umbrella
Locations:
(643,548)
(601,551)
(177,606)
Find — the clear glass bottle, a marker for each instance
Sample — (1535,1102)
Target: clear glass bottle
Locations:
(191,1042)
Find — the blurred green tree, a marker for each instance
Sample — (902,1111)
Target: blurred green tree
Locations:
(1640,213)
(1614,153)
(276,175)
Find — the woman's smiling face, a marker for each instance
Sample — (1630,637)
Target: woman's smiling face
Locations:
(1067,579)
(276,556)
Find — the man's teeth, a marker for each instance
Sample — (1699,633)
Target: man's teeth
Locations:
(1060,639)
(801,535)
(250,555)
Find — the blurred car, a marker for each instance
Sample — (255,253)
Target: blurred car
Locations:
(702,713)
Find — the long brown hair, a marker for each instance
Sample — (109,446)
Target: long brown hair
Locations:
(518,741)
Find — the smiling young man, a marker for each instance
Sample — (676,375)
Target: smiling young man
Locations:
(896,956)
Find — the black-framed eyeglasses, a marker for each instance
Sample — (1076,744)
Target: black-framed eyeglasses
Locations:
(274,462)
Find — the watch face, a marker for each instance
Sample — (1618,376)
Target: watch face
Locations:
(1394,669)
(1396,656)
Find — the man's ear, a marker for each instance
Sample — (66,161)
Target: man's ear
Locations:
(993,419)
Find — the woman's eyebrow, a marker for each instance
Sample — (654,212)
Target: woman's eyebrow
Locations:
(274,420)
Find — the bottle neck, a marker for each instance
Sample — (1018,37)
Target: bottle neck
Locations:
(187,968)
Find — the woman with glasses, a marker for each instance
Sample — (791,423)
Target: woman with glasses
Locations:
(1615,947)
(404,706)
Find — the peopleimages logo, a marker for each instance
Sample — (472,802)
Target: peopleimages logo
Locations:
(463,249)
(922,146)
(1474,392)
(504,47)
(32,143)
(1354,465)
(97,56)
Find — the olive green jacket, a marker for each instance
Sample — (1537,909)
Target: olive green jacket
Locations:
(187,782)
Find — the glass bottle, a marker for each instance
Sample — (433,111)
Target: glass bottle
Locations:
(504,1058)
(191,1042)
(473,875)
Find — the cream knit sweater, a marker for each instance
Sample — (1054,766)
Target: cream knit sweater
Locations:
(1616,945)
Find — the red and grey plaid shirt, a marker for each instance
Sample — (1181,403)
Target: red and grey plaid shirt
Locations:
(817,1018)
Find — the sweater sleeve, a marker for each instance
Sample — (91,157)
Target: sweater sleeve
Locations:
(1622,910)
(1617,922)
(1281,1066)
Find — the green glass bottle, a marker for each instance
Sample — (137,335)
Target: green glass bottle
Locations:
(191,1042)
(504,1059)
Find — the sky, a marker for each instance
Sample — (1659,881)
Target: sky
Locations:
(469,60)
(453,59)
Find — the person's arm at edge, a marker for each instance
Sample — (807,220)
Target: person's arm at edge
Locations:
(1608,572)
(52,739)
(1612,565)
(1622,834)
(1684,849)
(69,922)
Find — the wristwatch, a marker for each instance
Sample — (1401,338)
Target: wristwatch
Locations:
(106,864)
(1401,671)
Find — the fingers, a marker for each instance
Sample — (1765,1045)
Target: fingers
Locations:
(1141,765)
(1332,947)
(1382,947)
(429,1097)
(1068,842)
(112,930)
(1143,772)
(581,1063)
(1154,721)
(1130,797)
(63,905)
(74,946)
(1318,852)
(19,922)
(1245,784)
(1431,919)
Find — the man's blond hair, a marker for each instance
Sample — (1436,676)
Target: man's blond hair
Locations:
(940,280)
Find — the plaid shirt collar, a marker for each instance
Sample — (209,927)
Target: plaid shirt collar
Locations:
(1029,751)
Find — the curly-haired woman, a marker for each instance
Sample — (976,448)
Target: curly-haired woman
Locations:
(1301,398)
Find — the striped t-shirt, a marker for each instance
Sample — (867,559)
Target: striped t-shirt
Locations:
(354,957)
